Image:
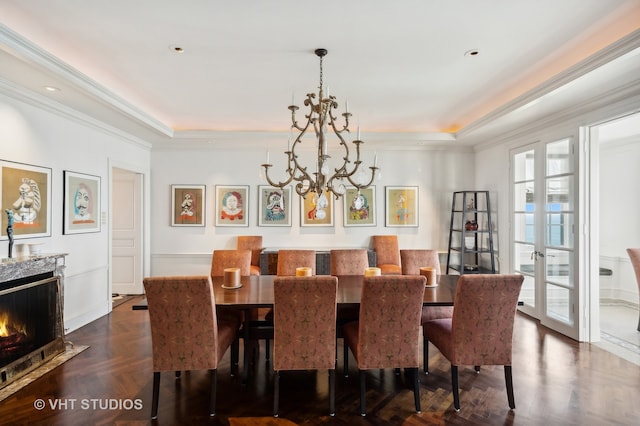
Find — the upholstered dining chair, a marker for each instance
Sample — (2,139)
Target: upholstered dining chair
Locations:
(481,329)
(634,255)
(387,334)
(253,243)
(289,260)
(348,261)
(185,331)
(412,260)
(222,259)
(304,329)
(387,254)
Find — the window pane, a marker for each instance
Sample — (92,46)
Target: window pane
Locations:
(523,166)
(559,269)
(528,291)
(559,159)
(523,197)
(559,303)
(559,194)
(524,228)
(523,261)
(559,232)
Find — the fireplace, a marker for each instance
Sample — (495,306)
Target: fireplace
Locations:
(31,328)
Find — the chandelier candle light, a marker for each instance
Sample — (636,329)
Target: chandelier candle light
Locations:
(321,118)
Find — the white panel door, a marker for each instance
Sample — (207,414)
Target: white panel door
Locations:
(126,240)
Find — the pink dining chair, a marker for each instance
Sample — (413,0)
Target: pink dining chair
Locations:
(289,260)
(387,334)
(387,254)
(412,261)
(185,331)
(222,259)
(304,329)
(481,329)
(634,255)
(348,261)
(253,243)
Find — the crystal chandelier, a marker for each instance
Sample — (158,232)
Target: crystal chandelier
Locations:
(322,120)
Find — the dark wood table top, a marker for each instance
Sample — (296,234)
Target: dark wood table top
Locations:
(257,291)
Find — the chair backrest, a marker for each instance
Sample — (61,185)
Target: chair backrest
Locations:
(184,331)
(389,329)
(304,320)
(413,260)
(348,261)
(386,248)
(253,243)
(483,316)
(634,255)
(222,259)
(289,260)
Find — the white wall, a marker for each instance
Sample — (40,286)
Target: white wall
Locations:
(32,135)
(177,250)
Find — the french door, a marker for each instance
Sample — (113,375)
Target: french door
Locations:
(543,232)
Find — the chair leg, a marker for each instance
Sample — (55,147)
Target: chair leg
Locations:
(178,374)
(346,359)
(276,393)
(363,384)
(214,388)
(416,388)
(454,387)
(425,351)
(156,395)
(267,350)
(235,355)
(509,381)
(332,392)
(477,368)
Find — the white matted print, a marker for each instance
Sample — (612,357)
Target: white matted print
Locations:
(188,205)
(401,206)
(360,206)
(232,205)
(81,211)
(311,215)
(274,206)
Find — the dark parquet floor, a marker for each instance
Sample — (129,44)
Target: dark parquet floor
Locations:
(557,381)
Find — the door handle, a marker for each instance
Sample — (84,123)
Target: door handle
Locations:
(536,254)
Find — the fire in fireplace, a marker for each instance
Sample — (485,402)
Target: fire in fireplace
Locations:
(30,324)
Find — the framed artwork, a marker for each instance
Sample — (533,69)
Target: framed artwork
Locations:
(360,207)
(402,206)
(310,215)
(81,208)
(26,197)
(188,205)
(232,205)
(274,206)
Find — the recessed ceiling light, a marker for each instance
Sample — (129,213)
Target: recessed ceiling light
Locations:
(472,52)
(176,49)
(51,89)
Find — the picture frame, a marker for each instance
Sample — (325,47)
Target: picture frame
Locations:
(360,207)
(274,206)
(232,205)
(81,205)
(401,208)
(26,193)
(308,212)
(188,205)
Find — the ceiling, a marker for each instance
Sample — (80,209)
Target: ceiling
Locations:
(401,65)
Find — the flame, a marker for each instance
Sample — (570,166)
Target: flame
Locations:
(7,327)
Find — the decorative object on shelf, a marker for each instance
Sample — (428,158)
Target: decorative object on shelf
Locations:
(188,205)
(471,225)
(274,206)
(232,205)
(322,120)
(26,190)
(9,213)
(81,203)
(402,206)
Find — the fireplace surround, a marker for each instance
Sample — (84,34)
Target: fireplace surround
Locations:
(31,314)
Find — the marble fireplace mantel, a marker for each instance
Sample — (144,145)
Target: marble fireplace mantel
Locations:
(26,266)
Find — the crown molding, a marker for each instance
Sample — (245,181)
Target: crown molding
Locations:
(34,55)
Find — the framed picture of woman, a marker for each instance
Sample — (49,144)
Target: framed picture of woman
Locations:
(312,214)
(81,210)
(274,206)
(402,206)
(360,207)
(188,205)
(232,205)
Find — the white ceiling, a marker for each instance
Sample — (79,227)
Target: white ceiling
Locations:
(401,64)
